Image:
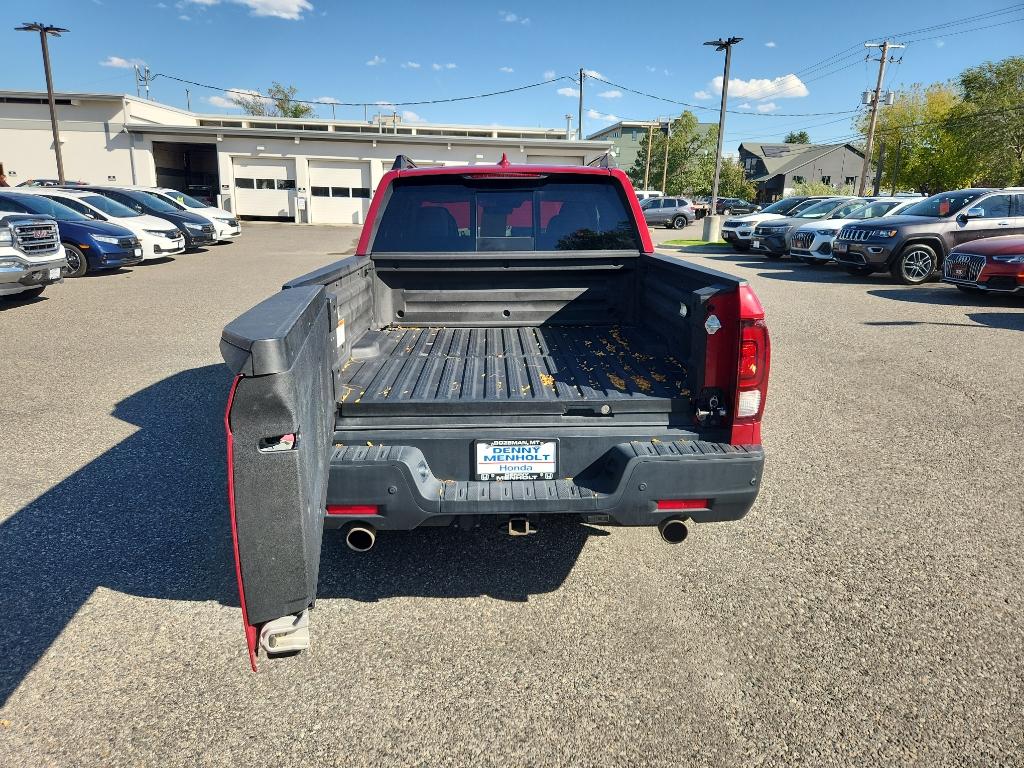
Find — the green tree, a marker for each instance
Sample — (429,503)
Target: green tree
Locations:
(990,120)
(732,180)
(279,102)
(797,137)
(691,158)
(815,188)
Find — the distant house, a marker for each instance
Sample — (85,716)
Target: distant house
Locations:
(777,168)
(626,136)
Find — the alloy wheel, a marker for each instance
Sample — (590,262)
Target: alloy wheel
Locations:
(918,265)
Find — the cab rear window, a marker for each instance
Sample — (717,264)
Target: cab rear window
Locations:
(442,214)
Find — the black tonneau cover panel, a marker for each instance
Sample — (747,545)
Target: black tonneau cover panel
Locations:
(537,370)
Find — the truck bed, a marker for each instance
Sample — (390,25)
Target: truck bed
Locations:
(511,370)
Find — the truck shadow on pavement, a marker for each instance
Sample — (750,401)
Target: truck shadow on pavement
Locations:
(149,518)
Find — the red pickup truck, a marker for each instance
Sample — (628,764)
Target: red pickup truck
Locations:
(504,346)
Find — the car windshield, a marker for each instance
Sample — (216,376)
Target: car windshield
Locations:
(847,211)
(873,210)
(155,202)
(804,206)
(944,204)
(110,207)
(820,209)
(156,199)
(41,205)
(181,197)
(781,206)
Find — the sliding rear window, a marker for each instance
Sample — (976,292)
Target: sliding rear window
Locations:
(445,214)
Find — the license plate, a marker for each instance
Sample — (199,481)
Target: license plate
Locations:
(138,251)
(55,273)
(958,271)
(839,247)
(755,243)
(516,459)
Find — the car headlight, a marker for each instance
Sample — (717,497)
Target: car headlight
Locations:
(827,231)
(160,233)
(106,239)
(6,238)
(193,227)
(1018,259)
(223,221)
(5,263)
(883,233)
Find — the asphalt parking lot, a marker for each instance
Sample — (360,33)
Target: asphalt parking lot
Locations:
(868,611)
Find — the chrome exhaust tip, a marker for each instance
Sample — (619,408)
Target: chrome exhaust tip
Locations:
(360,538)
(673,530)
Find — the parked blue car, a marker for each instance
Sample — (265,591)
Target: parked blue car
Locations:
(90,245)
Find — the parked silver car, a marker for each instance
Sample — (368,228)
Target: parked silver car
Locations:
(31,254)
(675,212)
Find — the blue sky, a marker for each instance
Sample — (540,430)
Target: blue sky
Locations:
(412,51)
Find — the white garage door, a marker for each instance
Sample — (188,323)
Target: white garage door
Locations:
(264,187)
(339,191)
(554,159)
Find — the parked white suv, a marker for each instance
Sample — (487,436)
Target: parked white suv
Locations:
(158,237)
(737,230)
(227,224)
(31,254)
(812,243)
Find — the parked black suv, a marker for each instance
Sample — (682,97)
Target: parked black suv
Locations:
(728,205)
(913,245)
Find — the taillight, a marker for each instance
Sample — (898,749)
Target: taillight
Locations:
(683,504)
(752,375)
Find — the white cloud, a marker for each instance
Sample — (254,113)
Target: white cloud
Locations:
(702,95)
(119,63)
(384,104)
(549,74)
(280,9)
(767,107)
(612,94)
(593,114)
(328,100)
(770,44)
(593,73)
(649,68)
(161,5)
(220,101)
(438,67)
(411,65)
(573,92)
(513,18)
(411,117)
(665,72)
(185,17)
(784,87)
(375,61)
(940,43)
(744,105)
(507,70)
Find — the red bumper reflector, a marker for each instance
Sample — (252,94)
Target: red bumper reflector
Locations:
(351,509)
(683,504)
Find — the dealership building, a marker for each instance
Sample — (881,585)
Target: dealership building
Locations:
(303,170)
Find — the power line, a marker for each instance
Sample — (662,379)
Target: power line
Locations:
(369,103)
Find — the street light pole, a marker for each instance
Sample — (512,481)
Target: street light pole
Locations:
(721,45)
(44,31)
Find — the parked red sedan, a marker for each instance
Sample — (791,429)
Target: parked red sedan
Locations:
(993,264)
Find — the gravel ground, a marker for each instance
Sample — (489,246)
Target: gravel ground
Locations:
(867,612)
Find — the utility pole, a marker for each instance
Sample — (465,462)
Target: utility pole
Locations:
(568,127)
(138,77)
(188,100)
(143,79)
(720,45)
(44,31)
(579,121)
(647,169)
(882,60)
(664,168)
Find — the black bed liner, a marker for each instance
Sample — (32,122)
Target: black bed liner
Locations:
(511,370)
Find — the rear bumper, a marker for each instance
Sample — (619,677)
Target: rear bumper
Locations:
(623,487)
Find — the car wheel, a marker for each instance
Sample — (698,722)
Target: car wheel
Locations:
(914,265)
(859,271)
(727,211)
(679,222)
(77,263)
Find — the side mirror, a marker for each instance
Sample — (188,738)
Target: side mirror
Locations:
(975,213)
